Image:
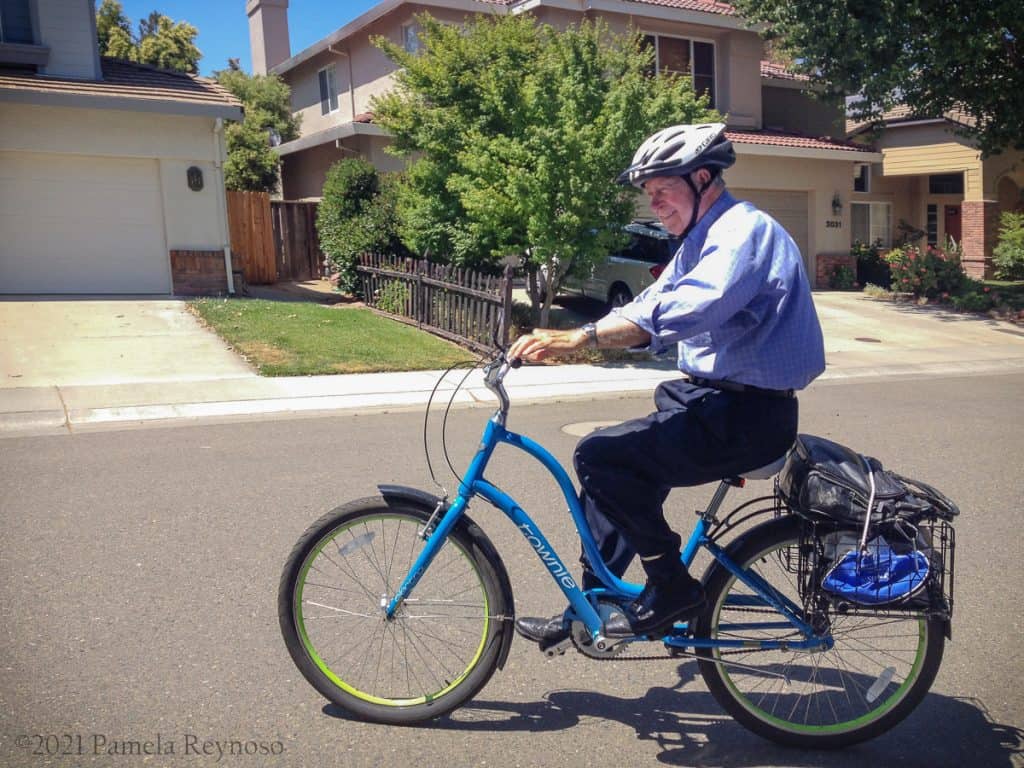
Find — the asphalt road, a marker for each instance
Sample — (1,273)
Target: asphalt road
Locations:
(139,569)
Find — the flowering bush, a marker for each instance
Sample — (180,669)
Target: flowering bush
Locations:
(929,272)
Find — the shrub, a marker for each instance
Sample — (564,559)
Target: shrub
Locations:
(871,267)
(928,272)
(356,216)
(841,278)
(975,298)
(1008,255)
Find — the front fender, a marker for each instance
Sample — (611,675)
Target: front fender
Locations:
(428,502)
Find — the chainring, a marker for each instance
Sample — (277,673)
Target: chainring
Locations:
(584,643)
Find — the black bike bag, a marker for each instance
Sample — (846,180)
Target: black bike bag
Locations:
(824,479)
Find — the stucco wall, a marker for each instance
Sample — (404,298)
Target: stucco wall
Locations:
(789,109)
(193,220)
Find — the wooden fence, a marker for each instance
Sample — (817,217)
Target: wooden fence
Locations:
(273,241)
(252,236)
(459,304)
(296,241)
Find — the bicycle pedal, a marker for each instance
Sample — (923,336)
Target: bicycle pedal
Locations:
(558,649)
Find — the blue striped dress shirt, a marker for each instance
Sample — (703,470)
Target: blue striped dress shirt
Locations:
(736,300)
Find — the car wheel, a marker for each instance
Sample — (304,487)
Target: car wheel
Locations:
(619,296)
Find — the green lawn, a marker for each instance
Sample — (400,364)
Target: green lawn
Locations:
(303,339)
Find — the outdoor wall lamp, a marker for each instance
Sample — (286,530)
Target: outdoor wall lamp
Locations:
(837,204)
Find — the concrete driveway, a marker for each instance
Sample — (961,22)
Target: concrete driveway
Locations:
(48,342)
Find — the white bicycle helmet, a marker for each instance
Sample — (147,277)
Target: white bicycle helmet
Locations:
(678,150)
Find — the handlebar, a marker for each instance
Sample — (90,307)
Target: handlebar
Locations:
(494,380)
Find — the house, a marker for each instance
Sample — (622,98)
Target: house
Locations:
(110,172)
(932,180)
(794,160)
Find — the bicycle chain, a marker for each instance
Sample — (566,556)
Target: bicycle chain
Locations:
(687,654)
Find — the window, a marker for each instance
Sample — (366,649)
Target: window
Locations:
(685,57)
(933,225)
(946,184)
(871,223)
(411,37)
(15,22)
(862,178)
(328,90)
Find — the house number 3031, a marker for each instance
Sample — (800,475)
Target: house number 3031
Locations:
(833,224)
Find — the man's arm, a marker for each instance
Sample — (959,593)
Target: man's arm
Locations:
(612,332)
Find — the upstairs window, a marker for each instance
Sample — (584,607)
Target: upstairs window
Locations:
(946,184)
(328,90)
(681,56)
(15,22)
(411,37)
(862,178)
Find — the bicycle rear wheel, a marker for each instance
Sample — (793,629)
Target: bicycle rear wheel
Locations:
(439,649)
(878,670)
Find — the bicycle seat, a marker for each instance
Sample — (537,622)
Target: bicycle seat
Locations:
(767,471)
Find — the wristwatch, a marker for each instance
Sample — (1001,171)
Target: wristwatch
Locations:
(591,331)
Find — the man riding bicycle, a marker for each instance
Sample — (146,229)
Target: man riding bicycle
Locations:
(736,301)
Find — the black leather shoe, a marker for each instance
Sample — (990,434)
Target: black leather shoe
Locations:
(660,605)
(544,632)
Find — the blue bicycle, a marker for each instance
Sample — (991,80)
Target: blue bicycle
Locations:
(399,609)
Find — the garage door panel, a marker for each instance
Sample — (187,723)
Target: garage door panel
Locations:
(81,225)
(790,209)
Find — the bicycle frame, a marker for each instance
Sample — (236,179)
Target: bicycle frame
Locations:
(473,484)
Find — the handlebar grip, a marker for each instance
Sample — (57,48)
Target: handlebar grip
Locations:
(515,362)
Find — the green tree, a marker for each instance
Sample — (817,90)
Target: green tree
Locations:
(252,164)
(931,55)
(110,19)
(518,131)
(171,46)
(161,42)
(1008,255)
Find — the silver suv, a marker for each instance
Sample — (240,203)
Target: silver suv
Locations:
(623,274)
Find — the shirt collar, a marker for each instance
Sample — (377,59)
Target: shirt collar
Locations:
(724,202)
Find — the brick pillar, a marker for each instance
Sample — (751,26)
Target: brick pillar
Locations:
(980,225)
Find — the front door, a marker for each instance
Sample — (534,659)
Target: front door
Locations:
(952,223)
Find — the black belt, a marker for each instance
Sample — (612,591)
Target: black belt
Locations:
(733,386)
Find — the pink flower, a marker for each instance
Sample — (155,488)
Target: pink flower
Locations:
(911,255)
(986,289)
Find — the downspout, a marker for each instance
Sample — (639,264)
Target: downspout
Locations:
(218,163)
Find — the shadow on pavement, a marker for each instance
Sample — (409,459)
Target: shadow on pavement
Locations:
(691,729)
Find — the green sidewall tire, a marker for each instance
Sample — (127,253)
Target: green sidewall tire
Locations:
(768,537)
(479,553)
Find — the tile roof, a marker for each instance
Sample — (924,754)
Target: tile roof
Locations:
(793,140)
(126,80)
(703,6)
(903,114)
(779,72)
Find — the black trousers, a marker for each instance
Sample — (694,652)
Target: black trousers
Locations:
(698,435)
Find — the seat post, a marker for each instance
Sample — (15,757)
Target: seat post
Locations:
(717,499)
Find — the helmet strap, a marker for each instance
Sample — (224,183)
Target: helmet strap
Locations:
(698,195)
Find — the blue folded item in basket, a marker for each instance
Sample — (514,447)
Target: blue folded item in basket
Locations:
(877,576)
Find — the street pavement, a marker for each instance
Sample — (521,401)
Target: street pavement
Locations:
(67,371)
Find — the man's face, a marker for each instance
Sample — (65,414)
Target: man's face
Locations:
(672,202)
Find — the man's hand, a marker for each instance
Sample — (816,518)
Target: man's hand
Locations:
(612,333)
(545,342)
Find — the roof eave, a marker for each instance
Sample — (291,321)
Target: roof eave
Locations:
(806,153)
(127,104)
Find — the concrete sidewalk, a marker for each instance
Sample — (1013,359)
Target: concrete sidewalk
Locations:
(863,338)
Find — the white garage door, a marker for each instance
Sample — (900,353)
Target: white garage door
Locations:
(787,208)
(75,224)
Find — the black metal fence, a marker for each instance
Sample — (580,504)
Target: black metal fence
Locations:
(462,305)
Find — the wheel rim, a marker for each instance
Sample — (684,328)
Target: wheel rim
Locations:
(436,638)
(870,669)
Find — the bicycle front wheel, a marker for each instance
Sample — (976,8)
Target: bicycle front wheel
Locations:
(434,654)
(878,670)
